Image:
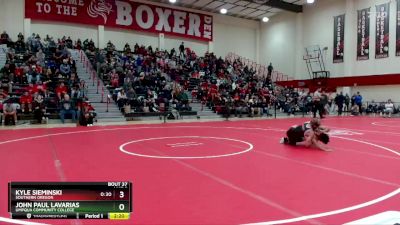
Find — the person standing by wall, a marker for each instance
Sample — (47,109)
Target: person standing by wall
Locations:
(317,106)
(339,101)
(182,50)
(347,102)
(324,100)
(358,101)
(270,69)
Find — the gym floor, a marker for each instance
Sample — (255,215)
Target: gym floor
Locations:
(231,172)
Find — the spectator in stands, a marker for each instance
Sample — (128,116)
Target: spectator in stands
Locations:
(33,76)
(64,52)
(36,44)
(240,107)
(290,106)
(114,78)
(86,44)
(73,80)
(172,53)
(78,44)
(264,105)
(61,90)
(131,94)
(127,48)
(52,45)
(5,38)
(6,71)
(228,106)
(46,41)
(110,47)
(182,101)
(389,109)
(355,110)
(20,35)
(76,94)
(41,86)
(381,108)
(10,113)
(40,57)
(253,107)
(91,45)
(52,66)
(65,68)
(18,75)
(20,45)
(358,101)
(69,42)
(83,88)
(150,104)
(38,104)
(121,99)
(86,117)
(62,42)
(372,108)
(67,108)
(26,102)
(3,95)
(30,40)
(71,63)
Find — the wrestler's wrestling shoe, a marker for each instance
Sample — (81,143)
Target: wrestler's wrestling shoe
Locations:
(284,140)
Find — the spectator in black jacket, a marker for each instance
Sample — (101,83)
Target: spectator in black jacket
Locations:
(182,49)
(347,102)
(339,101)
(270,69)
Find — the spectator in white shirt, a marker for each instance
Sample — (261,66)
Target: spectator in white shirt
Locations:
(121,98)
(389,108)
(317,106)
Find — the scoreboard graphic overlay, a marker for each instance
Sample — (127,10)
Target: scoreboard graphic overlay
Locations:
(70,200)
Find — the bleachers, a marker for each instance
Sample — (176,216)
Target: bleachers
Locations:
(163,81)
(144,92)
(40,66)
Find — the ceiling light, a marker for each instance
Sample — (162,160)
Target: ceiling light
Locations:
(223,11)
(310,1)
(265,19)
(172,1)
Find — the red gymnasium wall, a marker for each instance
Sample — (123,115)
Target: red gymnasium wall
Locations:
(124,14)
(331,83)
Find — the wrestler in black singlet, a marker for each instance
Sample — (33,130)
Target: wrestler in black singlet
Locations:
(296,133)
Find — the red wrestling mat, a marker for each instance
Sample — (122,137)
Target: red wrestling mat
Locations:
(219,172)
